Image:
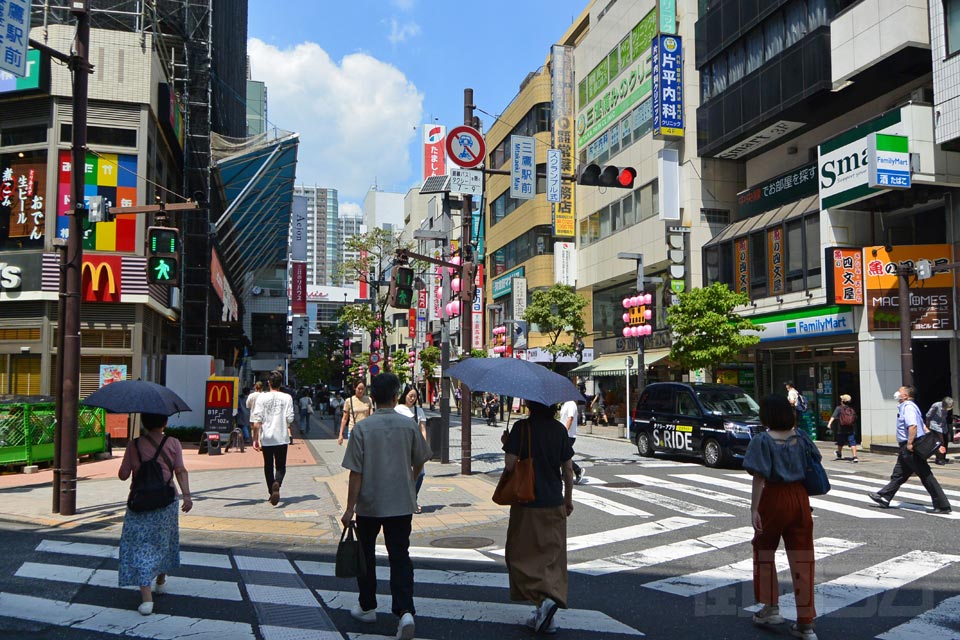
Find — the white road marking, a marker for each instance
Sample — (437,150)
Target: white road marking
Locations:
(939,622)
(816,503)
(214,560)
(266,565)
(623,534)
(846,590)
(909,486)
(710,494)
(423,576)
(899,504)
(120,622)
(596,622)
(692,584)
(268,594)
(606,505)
(439,553)
(193,587)
(665,553)
(668,502)
(585,479)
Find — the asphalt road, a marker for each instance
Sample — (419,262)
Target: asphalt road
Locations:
(658,547)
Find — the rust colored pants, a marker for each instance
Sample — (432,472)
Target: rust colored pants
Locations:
(785,513)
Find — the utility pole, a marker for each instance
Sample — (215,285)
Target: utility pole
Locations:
(69,323)
(906,348)
(466,302)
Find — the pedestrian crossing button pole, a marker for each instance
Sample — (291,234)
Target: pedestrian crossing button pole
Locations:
(628,364)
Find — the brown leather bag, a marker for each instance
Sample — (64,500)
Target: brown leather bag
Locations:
(516,487)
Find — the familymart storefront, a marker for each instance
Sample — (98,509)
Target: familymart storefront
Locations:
(817,349)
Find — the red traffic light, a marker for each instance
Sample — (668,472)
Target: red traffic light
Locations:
(593,175)
(626,177)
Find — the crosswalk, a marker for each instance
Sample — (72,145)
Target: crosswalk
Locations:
(680,536)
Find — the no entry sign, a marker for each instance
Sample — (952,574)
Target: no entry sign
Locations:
(465,147)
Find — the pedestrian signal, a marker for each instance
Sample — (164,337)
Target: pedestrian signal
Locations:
(401,288)
(163,270)
(163,241)
(593,175)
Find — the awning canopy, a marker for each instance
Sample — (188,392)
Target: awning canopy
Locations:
(763,220)
(256,178)
(612,364)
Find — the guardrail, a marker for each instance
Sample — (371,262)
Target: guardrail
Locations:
(27,430)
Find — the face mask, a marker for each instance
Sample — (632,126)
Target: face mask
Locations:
(896,395)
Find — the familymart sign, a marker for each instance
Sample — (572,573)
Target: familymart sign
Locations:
(863,161)
(807,323)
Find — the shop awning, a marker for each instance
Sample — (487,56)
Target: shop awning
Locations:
(612,364)
(766,219)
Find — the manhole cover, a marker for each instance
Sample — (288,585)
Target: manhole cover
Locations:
(461,543)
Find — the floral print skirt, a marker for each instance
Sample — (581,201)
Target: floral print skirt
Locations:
(149,545)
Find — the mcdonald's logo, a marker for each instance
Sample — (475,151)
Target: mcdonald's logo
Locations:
(100,276)
(219,395)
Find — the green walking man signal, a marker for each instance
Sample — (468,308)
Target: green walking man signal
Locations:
(163,251)
(401,288)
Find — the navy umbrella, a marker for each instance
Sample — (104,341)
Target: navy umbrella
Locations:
(136,396)
(515,378)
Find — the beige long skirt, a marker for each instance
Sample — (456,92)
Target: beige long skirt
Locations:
(536,554)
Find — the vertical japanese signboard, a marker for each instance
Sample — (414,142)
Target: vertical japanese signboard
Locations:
(412,323)
(775,279)
(741,247)
(22,198)
(667,57)
(476,309)
(554,175)
(14,36)
(888,161)
(298,288)
(844,275)
(300,340)
(668,16)
(434,154)
(564,215)
(523,168)
(298,229)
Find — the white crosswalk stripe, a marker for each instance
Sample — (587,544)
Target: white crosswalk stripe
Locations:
(909,486)
(606,505)
(665,485)
(680,506)
(496,612)
(848,590)
(939,622)
(692,584)
(816,503)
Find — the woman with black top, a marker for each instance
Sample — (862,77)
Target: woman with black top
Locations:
(536,548)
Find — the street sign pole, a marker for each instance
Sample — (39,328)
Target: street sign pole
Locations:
(466,310)
(628,364)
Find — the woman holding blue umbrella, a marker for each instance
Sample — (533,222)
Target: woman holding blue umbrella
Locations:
(150,541)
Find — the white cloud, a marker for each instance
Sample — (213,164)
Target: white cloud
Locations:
(399,33)
(356,118)
(350,208)
(404,5)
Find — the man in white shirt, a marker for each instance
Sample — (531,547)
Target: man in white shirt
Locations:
(271,419)
(569,417)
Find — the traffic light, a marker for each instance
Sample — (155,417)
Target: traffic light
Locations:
(163,255)
(401,288)
(468,282)
(593,175)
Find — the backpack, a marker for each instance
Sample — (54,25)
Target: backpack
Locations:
(847,416)
(148,491)
(802,405)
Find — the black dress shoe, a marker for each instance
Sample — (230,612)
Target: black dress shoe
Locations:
(880,500)
(942,511)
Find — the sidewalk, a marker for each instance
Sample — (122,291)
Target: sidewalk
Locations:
(230,494)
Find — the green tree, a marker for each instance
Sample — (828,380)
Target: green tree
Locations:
(557,312)
(478,353)
(707,330)
(429,361)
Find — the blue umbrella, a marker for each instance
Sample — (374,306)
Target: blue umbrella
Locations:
(515,378)
(136,396)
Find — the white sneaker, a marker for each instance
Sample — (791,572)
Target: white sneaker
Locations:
(545,615)
(363,615)
(532,624)
(160,587)
(804,631)
(406,628)
(145,608)
(768,614)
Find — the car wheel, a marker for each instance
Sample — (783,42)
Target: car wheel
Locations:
(713,455)
(644,446)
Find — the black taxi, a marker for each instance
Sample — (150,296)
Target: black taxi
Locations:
(714,421)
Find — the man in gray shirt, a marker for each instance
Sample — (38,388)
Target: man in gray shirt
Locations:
(384,455)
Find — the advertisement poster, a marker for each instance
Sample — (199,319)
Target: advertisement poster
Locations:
(110,373)
(113,176)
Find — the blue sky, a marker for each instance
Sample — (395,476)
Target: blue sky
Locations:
(355,78)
